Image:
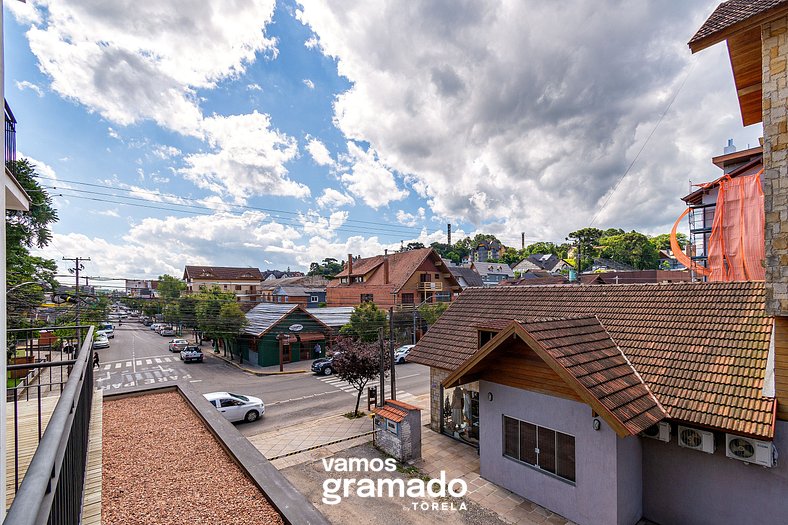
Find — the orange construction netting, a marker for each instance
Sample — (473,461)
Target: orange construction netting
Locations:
(735,250)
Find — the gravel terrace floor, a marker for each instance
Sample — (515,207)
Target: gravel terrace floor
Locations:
(162,466)
(308,478)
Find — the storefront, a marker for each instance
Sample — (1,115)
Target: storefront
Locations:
(460,412)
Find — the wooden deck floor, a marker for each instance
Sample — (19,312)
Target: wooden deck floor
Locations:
(28,442)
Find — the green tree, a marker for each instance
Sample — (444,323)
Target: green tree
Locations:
(365,322)
(357,362)
(413,246)
(431,312)
(588,240)
(631,248)
(328,268)
(662,241)
(170,287)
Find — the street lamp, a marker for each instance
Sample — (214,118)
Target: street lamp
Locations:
(42,284)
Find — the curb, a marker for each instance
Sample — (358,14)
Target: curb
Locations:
(257,372)
(315,447)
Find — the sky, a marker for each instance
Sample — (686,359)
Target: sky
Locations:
(274,134)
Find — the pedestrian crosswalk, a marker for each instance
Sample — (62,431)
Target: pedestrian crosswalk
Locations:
(350,389)
(136,372)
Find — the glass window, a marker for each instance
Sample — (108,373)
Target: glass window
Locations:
(461,412)
(565,450)
(528,443)
(391,426)
(407,298)
(511,445)
(366,298)
(544,448)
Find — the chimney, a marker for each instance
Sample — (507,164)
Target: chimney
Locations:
(386,269)
(448,231)
(522,240)
(730,148)
(349,264)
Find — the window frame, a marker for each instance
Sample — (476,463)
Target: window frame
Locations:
(540,430)
(367,298)
(392,425)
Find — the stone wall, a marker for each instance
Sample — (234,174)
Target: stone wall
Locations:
(774,38)
(437,375)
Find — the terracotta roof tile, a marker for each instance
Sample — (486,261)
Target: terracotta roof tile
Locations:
(401,404)
(401,267)
(390,412)
(731,13)
(701,348)
(222,272)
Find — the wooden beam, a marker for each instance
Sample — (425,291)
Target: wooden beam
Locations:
(749,89)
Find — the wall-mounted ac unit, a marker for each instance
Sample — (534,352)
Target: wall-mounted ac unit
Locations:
(750,450)
(695,439)
(660,431)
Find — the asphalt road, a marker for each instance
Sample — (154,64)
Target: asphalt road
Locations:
(139,356)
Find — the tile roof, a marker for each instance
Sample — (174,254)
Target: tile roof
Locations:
(222,272)
(401,266)
(333,316)
(471,276)
(390,412)
(731,13)
(402,404)
(488,268)
(701,348)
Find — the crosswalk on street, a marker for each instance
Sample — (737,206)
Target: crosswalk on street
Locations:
(350,389)
(136,372)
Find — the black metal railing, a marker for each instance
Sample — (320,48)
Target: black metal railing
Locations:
(10,139)
(53,486)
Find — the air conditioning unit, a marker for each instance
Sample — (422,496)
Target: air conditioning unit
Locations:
(750,450)
(660,431)
(695,439)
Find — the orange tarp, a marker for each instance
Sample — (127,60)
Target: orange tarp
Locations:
(736,246)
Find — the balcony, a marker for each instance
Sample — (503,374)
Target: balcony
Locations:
(53,420)
(431,286)
(10,140)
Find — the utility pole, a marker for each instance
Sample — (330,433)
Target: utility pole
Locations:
(522,240)
(448,231)
(382,368)
(75,270)
(391,355)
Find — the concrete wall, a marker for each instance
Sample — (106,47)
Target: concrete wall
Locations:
(437,375)
(607,468)
(774,45)
(682,486)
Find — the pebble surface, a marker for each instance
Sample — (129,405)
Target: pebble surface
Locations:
(162,466)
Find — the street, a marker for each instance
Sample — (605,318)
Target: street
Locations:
(139,356)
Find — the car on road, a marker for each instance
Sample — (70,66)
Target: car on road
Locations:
(324,365)
(100,341)
(107,328)
(167,331)
(236,407)
(176,345)
(155,326)
(401,354)
(191,353)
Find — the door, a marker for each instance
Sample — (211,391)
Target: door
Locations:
(229,409)
(286,353)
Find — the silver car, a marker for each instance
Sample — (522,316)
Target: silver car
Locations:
(100,341)
(236,407)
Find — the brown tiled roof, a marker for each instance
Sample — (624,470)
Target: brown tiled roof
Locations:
(731,13)
(583,348)
(391,412)
(401,266)
(222,273)
(402,404)
(701,348)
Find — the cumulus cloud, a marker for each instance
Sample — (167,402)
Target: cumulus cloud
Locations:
(312,223)
(254,87)
(247,158)
(319,152)
(26,84)
(308,83)
(525,114)
(368,178)
(410,219)
(332,198)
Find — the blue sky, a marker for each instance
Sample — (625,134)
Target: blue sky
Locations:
(275,134)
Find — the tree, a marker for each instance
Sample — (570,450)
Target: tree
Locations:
(431,312)
(209,312)
(662,241)
(588,240)
(329,268)
(357,362)
(413,246)
(170,287)
(542,248)
(365,322)
(633,248)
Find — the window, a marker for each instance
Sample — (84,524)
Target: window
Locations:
(443,297)
(366,298)
(407,298)
(540,447)
(359,279)
(485,336)
(437,276)
(237,286)
(343,280)
(313,298)
(425,277)
(391,426)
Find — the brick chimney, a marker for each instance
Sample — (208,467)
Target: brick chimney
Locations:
(349,264)
(386,269)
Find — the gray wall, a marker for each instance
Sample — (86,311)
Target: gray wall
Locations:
(683,486)
(608,469)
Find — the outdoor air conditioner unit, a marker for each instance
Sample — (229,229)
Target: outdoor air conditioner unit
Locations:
(660,431)
(695,439)
(750,450)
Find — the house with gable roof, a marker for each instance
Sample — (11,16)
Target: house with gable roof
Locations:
(243,282)
(492,274)
(666,402)
(398,279)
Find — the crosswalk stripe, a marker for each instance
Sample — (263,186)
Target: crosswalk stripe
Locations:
(167,360)
(117,365)
(107,367)
(128,363)
(158,361)
(139,363)
(148,362)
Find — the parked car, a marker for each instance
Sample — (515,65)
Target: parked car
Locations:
(236,407)
(167,331)
(324,365)
(401,354)
(147,322)
(176,345)
(191,353)
(155,326)
(100,341)
(106,333)
(107,328)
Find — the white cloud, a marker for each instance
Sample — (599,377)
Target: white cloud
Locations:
(254,87)
(312,223)
(496,121)
(319,152)
(332,198)
(248,158)
(25,84)
(108,213)
(165,152)
(410,219)
(308,83)
(369,179)
(142,61)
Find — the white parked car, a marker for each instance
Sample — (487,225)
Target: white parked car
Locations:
(176,345)
(166,331)
(236,407)
(100,341)
(401,354)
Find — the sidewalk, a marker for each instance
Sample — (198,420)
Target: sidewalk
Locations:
(309,442)
(298,367)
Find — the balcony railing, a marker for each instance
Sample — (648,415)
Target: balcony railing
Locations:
(431,286)
(58,366)
(10,139)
